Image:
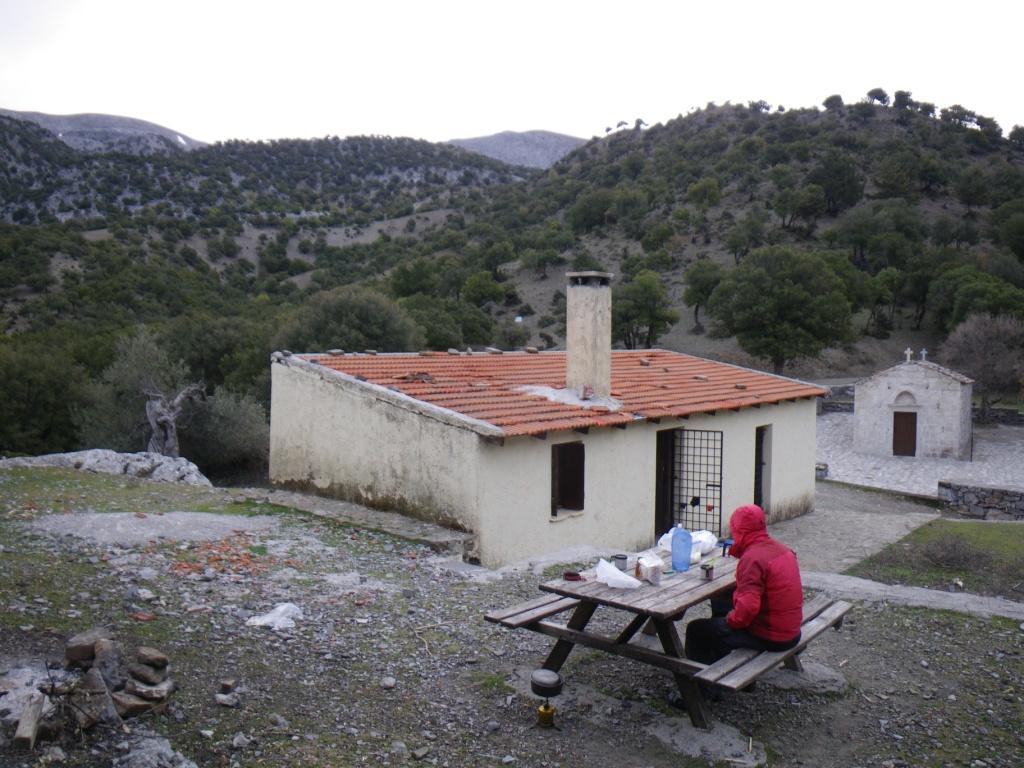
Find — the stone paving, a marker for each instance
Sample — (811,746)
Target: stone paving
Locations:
(849,524)
(998,460)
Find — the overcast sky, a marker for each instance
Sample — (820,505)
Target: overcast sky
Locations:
(440,69)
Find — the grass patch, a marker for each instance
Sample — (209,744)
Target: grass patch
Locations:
(46,590)
(555,571)
(29,493)
(984,557)
(492,683)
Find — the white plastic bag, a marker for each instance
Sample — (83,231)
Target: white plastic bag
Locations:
(613,577)
(650,568)
(665,542)
(707,540)
(282,617)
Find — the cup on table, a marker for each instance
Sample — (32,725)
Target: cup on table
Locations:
(620,561)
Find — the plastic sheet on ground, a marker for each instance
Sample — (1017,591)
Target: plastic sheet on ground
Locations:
(282,617)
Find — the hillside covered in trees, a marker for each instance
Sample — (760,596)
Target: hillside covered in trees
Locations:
(783,231)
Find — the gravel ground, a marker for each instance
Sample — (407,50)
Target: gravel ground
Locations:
(392,662)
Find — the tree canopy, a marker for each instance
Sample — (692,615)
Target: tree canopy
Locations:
(702,278)
(350,318)
(641,311)
(782,304)
(989,349)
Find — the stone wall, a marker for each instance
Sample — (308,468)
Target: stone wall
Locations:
(996,415)
(1002,416)
(836,406)
(983,502)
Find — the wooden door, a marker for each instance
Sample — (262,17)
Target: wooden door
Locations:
(904,433)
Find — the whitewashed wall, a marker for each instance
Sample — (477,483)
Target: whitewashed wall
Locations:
(942,405)
(619,508)
(335,434)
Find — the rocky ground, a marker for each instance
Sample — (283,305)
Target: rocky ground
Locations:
(391,662)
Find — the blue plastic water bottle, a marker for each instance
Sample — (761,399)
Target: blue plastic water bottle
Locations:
(682,546)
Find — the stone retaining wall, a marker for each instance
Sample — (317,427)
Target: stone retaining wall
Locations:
(983,502)
(1002,416)
(997,415)
(835,406)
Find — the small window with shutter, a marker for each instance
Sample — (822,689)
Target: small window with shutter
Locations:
(566,477)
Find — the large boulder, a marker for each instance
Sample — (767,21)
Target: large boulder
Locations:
(152,466)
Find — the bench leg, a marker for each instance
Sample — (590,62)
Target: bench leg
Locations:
(580,618)
(696,707)
(793,662)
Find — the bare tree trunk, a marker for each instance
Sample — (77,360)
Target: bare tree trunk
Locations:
(163,417)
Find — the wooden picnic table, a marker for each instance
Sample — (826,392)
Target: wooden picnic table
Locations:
(660,605)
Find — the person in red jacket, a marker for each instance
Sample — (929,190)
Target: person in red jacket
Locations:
(765,610)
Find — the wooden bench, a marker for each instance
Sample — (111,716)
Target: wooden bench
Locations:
(743,666)
(531,611)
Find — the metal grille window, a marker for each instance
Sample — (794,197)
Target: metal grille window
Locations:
(567,462)
(697,476)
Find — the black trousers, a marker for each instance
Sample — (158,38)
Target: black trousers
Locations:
(708,640)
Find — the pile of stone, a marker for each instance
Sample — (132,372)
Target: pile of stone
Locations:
(111,688)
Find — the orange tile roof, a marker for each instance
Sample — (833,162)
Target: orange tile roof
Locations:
(649,384)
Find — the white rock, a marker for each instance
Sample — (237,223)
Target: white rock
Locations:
(148,465)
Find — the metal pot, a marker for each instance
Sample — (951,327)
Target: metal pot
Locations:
(545,683)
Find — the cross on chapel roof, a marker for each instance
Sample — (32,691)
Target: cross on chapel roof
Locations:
(909,353)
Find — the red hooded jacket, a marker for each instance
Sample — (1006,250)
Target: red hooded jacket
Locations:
(769,596)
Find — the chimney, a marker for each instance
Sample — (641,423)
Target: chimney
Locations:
(588,334)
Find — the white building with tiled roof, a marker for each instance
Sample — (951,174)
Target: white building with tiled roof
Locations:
(916,408)
(539,452)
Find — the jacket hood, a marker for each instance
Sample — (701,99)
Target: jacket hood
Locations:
(747,526)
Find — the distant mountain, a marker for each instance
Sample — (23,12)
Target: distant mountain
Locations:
(534,149)
(109,133)
(351,181)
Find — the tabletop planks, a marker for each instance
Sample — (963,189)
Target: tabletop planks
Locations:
(676,593)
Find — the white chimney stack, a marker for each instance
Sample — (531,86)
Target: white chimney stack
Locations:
(588,334)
